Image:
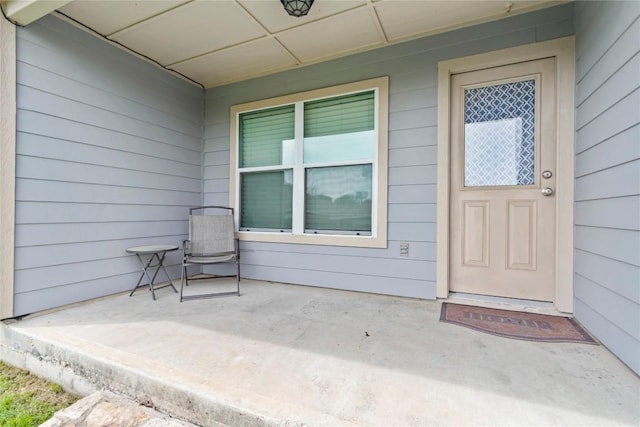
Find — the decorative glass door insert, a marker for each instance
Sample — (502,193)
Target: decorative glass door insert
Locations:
(499,134)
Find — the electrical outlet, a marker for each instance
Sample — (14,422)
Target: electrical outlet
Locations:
(404,249)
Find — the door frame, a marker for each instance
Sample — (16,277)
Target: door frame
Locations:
(563,50)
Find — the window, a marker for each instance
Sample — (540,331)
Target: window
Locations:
(312,167)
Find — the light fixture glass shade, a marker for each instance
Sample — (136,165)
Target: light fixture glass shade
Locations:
(297,8)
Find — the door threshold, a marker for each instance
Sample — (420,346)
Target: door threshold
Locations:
(514,304)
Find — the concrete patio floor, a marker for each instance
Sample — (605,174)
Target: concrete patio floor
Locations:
(291,355)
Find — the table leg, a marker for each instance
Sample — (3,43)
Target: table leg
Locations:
(146,271)
(137,284)
(161,265)
(159,257)
(145,267)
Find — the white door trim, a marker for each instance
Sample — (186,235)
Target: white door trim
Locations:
(563,50)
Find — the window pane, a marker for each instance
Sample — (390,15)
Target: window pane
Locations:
(265,200)
(340,129)
(499,135)
(338,199)
(336,148)
(342,114)
(266,137)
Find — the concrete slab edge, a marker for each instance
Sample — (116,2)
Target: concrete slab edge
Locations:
(83,373)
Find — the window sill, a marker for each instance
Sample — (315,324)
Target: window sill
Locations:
(316,239)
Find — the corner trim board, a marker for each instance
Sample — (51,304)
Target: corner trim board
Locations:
(7,164)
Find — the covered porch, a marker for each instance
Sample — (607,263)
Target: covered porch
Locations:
(291,355)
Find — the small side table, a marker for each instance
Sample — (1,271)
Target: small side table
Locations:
(157,253)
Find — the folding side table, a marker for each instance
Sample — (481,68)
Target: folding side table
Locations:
(157,253)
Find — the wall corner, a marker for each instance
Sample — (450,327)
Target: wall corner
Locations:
(7,164)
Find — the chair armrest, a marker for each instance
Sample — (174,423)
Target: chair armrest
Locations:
(186,246)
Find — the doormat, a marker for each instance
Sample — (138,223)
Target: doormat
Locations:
(515,324)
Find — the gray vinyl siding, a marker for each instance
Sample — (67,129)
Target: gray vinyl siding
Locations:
(607,186)
(412,69)
(109,155)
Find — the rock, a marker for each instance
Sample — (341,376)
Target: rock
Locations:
(104,408)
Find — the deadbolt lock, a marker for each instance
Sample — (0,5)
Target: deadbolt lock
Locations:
(547,174)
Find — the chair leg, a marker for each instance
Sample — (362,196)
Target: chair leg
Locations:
(238,276)
(183,278)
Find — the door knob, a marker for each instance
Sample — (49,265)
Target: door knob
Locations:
(547,191)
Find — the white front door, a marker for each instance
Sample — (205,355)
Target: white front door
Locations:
(502,181)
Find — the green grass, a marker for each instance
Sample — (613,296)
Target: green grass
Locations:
(27,400)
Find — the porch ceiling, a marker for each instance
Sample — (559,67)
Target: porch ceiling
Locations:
(215,42)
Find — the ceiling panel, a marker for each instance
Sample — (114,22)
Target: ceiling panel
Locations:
(237,63)
(191,30)
(330,37)
(215,42)
(270,12)
(107,17)
(402,19)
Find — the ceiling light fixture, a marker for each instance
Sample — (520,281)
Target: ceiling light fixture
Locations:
(297,8)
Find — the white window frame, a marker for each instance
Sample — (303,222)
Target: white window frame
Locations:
(378,237)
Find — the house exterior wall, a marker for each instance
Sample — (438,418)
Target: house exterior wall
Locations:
(607,185)
(109,151)
(412,69)
(110,154)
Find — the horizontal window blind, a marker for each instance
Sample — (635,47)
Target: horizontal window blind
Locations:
(262,134)
(266,200)
(340,115)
